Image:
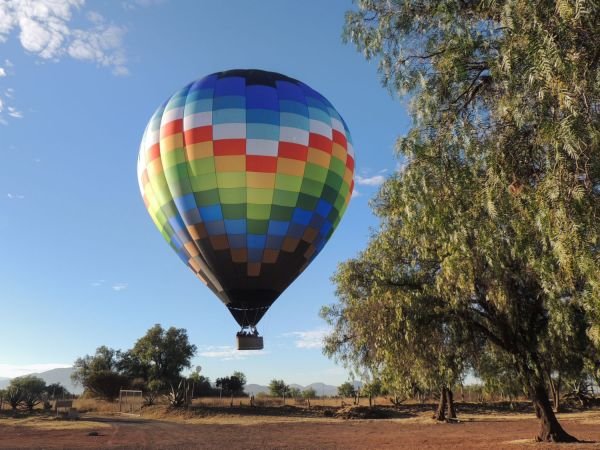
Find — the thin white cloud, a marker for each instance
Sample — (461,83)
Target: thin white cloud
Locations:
(12,196)
(228,353)
(309,339)
(375,180)
(13,112)
(17,370)
(120,287)
(45,29)
(95,17)
(97,283)
(355,193)
(2,72)
(133,4)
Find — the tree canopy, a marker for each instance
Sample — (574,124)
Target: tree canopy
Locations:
(154,364)
(489,232)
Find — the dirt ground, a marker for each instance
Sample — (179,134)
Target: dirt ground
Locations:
(291,429)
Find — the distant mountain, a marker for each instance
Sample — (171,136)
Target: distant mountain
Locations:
(255,389)
(62,376)
(320,388)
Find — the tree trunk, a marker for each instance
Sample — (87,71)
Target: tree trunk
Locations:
(450,405)
(440,414)
(551,430)
(557,395)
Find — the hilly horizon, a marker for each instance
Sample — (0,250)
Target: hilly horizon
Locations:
(63,376)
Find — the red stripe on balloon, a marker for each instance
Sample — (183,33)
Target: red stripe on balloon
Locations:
(256,163)
(225,147)
(320,142)
(292,151)
(197,135)
(170,128)
(339,138)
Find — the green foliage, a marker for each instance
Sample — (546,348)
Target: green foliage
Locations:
(278,388)
(499,375)
(57,390)
(232,385)
(295,392)
(372,389)
(489,234)
(201,385)
(152,365)
(160,355)
(346,389)
(28,390)
(104,360)
(13,396)
(309,393)
(106,384)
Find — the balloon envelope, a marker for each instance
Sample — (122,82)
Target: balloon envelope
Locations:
(246,174)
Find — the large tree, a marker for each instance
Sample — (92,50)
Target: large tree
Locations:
(500,187)
(99,374)
(159,355)
(415,342)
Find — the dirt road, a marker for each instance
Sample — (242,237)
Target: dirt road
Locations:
(135,433)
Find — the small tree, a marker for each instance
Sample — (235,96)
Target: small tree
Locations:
(309,393)
(294,392)
(56,390)
(32,389)
(371,389)
(346,389)
(232,385)
(14,396)
(278,388)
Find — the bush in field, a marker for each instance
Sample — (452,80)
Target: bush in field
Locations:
(278,388)
(57,390)
(346,390)
(309,393)
(106,384)
(30,389)
(13,396)
(295,392)
(233,385)
(201,386)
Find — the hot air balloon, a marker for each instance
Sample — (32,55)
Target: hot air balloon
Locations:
(246,174)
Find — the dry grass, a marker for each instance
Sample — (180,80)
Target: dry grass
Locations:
(85,405)
(51,423)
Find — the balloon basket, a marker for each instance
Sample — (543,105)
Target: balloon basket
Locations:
(249,342)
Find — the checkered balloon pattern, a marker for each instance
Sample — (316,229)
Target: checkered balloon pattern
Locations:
(246,174)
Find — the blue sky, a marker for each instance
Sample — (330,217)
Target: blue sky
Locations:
(81,264)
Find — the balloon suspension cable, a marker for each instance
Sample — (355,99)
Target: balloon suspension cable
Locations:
(248,330)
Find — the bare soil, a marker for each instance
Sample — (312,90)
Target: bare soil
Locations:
(290,427)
